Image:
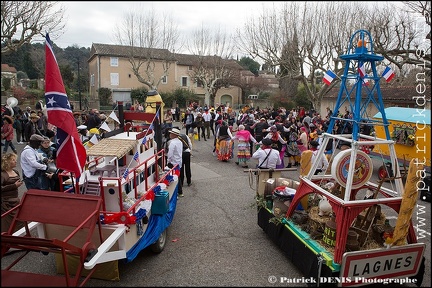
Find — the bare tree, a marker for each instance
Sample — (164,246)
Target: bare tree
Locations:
(24,20)
(324,31)
(313,29)
(151,40)
(213,67)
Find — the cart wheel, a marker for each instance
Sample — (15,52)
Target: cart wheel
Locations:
(159,245)
(382,172)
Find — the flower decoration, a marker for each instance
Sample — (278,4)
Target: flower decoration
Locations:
(170,178)
(411,137)
(150,195)
(177,171)
(140,214)
(157,189)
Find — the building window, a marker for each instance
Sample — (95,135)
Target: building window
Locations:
(184,81)
(199,83)
(114,79)
(114,61)
(164,80)
(92,80)
(190,68)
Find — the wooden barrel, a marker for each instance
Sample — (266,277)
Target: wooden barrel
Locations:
(329,236)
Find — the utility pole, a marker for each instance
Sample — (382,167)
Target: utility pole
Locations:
(79,86)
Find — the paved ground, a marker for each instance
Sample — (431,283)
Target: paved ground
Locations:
(214,239)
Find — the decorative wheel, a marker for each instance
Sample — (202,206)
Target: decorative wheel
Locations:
(159,245)
(362,170)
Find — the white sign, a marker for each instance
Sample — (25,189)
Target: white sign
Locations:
(399,261)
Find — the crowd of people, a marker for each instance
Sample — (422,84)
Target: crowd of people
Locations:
(290,132)
(267,135)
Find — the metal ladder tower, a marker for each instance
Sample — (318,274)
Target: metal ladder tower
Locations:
(358,91)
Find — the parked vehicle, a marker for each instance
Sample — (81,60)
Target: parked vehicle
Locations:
(410,129)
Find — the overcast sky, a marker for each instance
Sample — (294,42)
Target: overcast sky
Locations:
(94,22)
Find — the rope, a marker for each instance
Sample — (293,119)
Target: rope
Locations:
(252,175)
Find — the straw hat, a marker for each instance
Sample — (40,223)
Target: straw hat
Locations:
(8,119)
(34,116)
(175,131)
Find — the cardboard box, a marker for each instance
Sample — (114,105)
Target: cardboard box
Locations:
(104,271)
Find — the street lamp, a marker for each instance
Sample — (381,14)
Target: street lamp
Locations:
(79,86)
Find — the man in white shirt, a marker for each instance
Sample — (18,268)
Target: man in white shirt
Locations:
(31,166)
(207,118)
(268,158)
(175,154)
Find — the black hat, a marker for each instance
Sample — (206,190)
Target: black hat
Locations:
(314,143)
(267,141)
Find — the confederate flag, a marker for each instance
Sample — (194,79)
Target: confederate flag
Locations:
(71,154)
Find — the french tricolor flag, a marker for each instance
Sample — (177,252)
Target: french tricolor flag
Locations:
(329,76)
(362,70)
(388,74)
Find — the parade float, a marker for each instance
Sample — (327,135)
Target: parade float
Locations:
(121,204)
(338,226)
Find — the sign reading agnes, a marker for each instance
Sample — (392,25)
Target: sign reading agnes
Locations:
(400,261)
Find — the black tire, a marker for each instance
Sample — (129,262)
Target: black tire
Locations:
(159,245)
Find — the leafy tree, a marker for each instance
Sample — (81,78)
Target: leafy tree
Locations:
(105,96)
(21,75)
(250,64)
(6,83)
(180,96)
(67,74)
(139,95)
(29,67)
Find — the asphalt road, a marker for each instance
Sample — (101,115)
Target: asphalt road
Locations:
(214,239)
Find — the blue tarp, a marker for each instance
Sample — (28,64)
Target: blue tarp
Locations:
(156,225)
(410,115)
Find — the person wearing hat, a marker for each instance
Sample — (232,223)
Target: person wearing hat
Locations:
(268,158)
(292,150)
(260,128)
(48,154)
(33,169)
(207,117)
(77,118)
(278,143)
(7,133)
(186,159)
(322,161)
(31,127)
(175,154)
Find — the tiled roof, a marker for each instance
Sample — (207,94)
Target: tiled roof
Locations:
(160,54)
(7,68)
(125,51)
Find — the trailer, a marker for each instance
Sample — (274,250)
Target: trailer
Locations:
(337,226)
(121,204)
